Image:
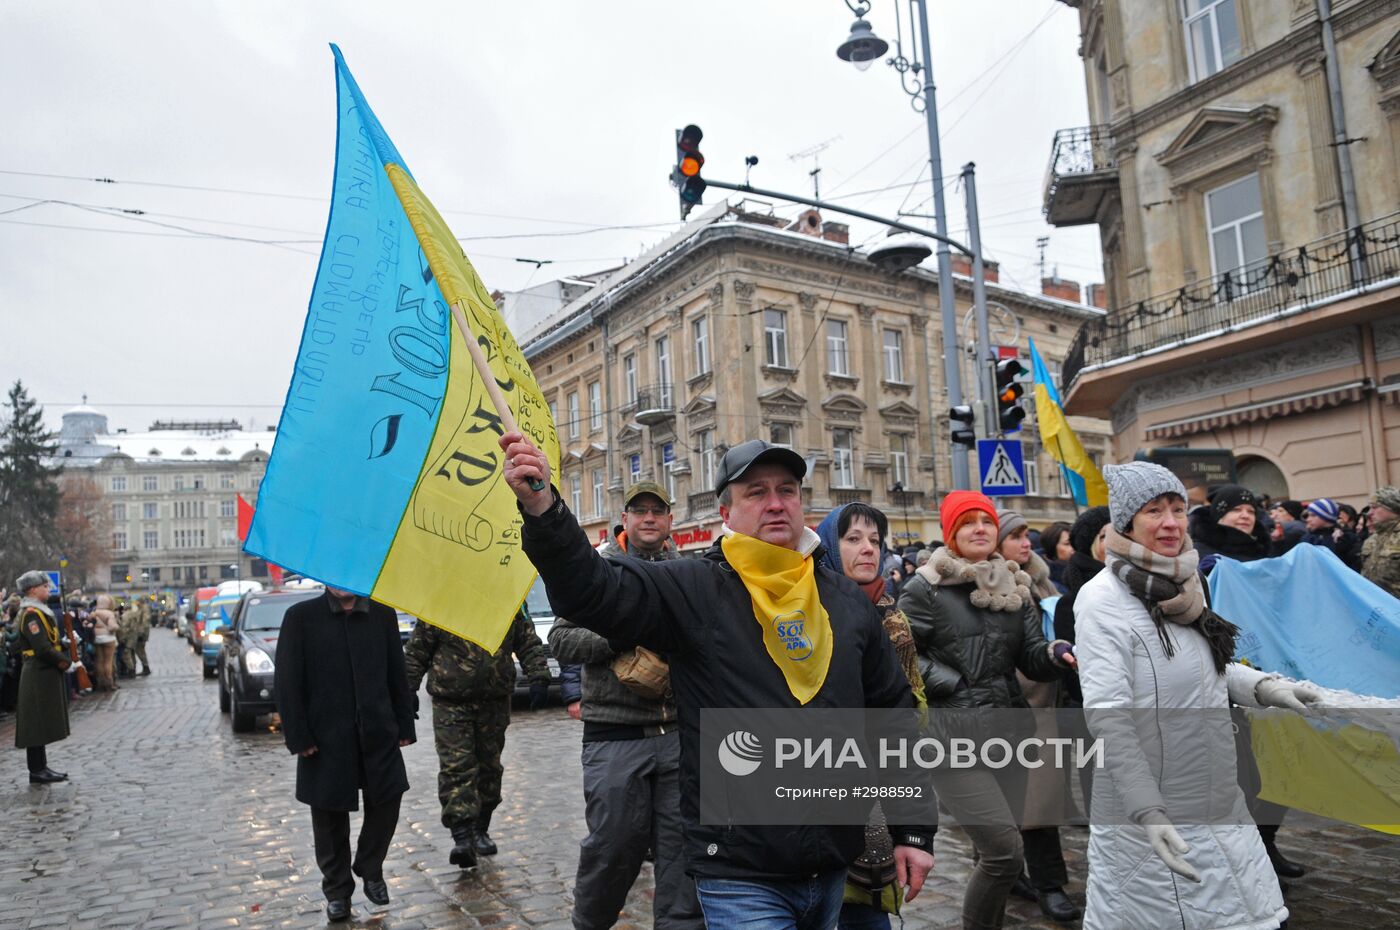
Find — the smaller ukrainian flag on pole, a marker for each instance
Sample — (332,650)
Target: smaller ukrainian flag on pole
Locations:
(1085,481)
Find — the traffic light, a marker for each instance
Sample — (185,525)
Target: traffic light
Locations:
(961,418)
(1010,413)
(689,161)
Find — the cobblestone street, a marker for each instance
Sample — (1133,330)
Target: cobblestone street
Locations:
(170,820)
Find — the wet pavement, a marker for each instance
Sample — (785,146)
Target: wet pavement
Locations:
(171,820)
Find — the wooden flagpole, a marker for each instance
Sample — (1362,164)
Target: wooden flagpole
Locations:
(489,379)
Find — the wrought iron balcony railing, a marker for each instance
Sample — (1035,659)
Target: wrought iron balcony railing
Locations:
(1079,157)
(655,403)
(1341,265)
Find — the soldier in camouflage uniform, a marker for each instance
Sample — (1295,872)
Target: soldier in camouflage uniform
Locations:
(1380,555)
(471,691)
(136,624)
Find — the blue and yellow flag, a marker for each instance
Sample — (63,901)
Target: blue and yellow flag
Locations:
(1085,482)
(385,478)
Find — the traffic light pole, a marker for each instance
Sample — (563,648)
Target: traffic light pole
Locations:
(983,364)
(952,371)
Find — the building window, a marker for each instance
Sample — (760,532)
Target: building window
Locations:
(118,512)
(1031,464)
(634,467)
(150,511)
(228,536)
(843,471)
(576,493)
(780,434)
(775,351)
(199,482)
(899,460)
(119,573)
(119,482)
(1235,220)
(700,338)
(599,506)
(119,540)
(705,452)
(666,454)
(629,378)
(838,356)
(894,356)
(226,481)
(595,405)
(189,510)
(153,573)
(150,483)
(554,415)
(177,483)
(189,539)
(1212,35)
(573,414)
(150,539)
(663,370)
(228,508)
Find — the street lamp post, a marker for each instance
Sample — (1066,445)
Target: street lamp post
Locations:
(861,48)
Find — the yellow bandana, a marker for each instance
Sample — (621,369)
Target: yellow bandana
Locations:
(796,629)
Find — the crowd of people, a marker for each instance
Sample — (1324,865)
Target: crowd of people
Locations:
(1110,611)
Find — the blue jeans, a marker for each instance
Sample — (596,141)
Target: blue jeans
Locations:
(802,904)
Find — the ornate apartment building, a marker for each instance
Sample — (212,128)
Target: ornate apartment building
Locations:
(171,495)
(742,325)
(1243,168)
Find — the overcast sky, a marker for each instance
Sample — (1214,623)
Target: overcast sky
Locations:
(529,124)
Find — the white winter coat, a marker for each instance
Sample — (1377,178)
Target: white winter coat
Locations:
(1122,664)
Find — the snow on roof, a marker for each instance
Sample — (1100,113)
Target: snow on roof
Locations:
(176,446)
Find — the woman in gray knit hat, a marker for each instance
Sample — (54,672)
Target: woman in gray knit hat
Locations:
(1148,639)
(41,715)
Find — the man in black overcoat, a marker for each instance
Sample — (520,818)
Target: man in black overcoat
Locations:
(346,712)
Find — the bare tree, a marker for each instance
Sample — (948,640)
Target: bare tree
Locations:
(83,529)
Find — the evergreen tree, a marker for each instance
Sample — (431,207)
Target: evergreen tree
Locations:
(29,492)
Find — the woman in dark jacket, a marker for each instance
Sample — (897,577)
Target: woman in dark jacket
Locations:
(976,624)
(1231,526)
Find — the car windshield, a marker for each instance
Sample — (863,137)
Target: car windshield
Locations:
(265,613)
(537,602)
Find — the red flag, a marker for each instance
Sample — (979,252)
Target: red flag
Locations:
(275,571)
(245,518)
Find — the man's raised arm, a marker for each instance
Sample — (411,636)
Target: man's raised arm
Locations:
(629,602)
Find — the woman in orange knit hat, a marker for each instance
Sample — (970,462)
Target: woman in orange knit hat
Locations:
(976,623)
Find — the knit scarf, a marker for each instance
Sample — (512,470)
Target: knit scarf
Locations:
(1000,585)
(782,585)
(1171,590)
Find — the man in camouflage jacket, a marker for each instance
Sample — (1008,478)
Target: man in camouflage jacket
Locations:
(1380,556)
(471,691)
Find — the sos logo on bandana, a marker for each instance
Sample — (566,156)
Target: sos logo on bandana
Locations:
(792,632)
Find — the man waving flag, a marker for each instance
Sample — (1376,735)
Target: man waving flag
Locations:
(1085,482)
(385,478)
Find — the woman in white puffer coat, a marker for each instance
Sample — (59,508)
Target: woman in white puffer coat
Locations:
(1148,641)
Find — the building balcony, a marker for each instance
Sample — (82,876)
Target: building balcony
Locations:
(907,500)
(1083,173)
(701,504)
(1329,282)
(656,403)
(842,496)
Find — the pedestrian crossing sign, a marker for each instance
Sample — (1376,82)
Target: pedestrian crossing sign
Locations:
(1001,467)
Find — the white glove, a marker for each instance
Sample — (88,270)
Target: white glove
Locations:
(1168,845)
(1279,692)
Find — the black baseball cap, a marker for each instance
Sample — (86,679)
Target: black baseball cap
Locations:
(740,458)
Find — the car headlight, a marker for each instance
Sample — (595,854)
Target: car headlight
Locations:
(257,661)
(213,637)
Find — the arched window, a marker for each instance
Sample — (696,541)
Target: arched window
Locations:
(1262,477)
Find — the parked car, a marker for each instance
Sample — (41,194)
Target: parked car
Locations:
(542,616)
(248,652)
(194,632)
(406,624)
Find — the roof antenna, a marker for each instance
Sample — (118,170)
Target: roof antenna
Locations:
(813,152)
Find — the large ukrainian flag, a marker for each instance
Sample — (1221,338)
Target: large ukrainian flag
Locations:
(1085,481)
(385,478)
